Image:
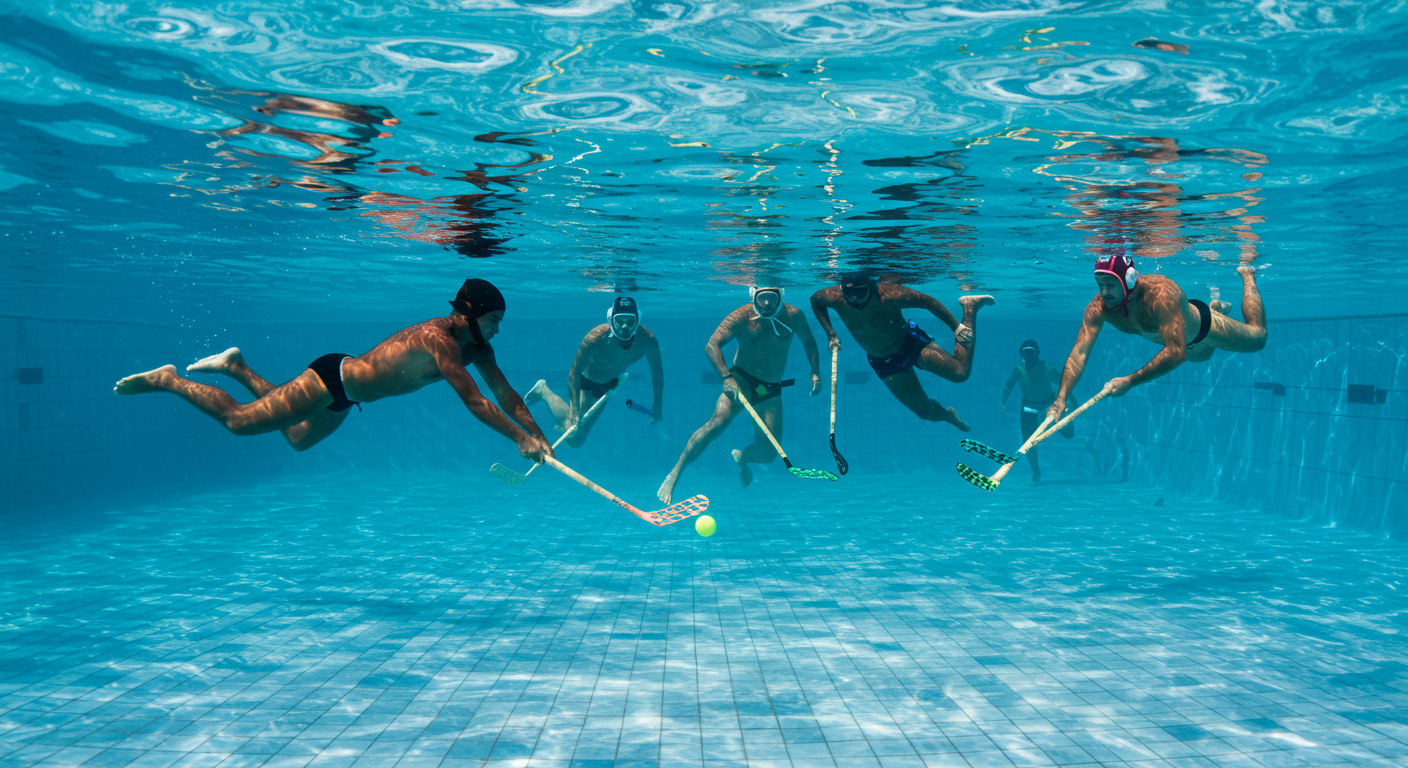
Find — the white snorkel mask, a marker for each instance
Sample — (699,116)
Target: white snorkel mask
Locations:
(754,293)
(625,330)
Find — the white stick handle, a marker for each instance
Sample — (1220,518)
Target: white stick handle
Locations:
(572,473)
(573,430)
(762,426)
(1039,435)
(834,354)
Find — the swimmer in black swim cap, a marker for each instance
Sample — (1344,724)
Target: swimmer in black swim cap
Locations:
(600,366)
(313,405)
(896,346)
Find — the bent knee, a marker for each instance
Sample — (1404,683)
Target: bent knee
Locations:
(959,377)
(1258,340)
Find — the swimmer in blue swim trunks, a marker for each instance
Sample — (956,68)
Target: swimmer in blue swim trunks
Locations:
(1154,307)
(895,346)
(316,402)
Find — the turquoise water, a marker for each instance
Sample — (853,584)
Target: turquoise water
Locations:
(410,628)
(296,160)
(1209,573)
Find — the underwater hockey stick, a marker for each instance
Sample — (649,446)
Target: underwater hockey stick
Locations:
(513,478)
(638,408)
(841,465)
(809,474)
(990,483)
(661,517)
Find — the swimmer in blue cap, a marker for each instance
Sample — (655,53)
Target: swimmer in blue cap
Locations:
(315,403)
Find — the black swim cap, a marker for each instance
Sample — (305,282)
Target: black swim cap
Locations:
(1029,344)
(478,298)
(851,282)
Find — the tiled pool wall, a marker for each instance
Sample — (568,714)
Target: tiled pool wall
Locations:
(1312,427)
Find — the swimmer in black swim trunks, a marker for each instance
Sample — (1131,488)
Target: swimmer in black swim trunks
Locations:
(895,346)
(601,362)
(1038,380)
(1154,307)
(764,329)
(315,403)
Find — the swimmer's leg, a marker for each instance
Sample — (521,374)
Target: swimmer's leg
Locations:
(760,451)
(724,412)
(906,388)
(301,436)
(1248,336)
(283,407)
(556,405)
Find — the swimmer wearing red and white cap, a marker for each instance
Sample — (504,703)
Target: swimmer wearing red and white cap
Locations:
(1154,307)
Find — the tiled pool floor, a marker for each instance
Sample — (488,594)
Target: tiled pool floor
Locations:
(436,620)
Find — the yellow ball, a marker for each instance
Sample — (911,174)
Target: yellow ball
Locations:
(705,526)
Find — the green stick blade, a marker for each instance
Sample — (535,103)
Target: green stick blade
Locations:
(988,451)
(975,477)
(507,475)
(812,474)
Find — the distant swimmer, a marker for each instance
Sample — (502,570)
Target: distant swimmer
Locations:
(764,329)
(1039,381)
(1154,307)
(599,367)
(315,403)
(895,346)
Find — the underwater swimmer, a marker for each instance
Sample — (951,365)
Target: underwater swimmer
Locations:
(764,329)
(1039,381)
(601,362)
(895,346)
(313,405)
(1154,307)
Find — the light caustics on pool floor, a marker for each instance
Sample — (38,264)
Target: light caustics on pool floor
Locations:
(337,620)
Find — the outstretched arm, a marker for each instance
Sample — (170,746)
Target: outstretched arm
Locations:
(1075,362)
(657,376)
(822,301)
(1007,390)
(451,364)
(1168,307)
(803,329)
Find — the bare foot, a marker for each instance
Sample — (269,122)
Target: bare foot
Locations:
(1219,306)
(745,475)
(1036,476)
(536,393)
(667,488)
(976,301)
(1247,272)
(220,363)
(952,417)
(141,383)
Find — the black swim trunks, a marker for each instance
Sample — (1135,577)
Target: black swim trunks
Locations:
(756,389)
(329,369)
(1204,322)
(595,389)
(914,343)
